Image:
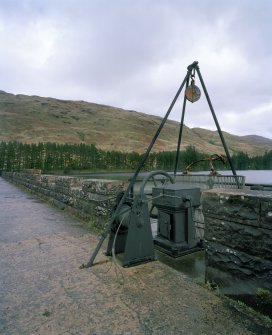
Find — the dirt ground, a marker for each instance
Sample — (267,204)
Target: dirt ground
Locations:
(44,291)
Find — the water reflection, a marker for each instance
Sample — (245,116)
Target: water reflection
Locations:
(193,265)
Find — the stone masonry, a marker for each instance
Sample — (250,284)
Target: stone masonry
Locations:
(91,200)
(238,235)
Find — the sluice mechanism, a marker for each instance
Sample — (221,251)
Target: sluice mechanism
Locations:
(129,228)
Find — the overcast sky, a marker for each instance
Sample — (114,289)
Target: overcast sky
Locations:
(134,55)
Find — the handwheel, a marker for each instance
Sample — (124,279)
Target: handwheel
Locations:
(151,175)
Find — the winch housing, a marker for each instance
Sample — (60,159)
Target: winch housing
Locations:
(176,230)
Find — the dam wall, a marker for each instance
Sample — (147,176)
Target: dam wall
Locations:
(91,200)
(238,239)
(236,224)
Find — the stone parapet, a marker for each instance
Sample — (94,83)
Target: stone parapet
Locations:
(89,199)
(238,237)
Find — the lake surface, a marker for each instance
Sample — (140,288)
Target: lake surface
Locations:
(252,176)
(263,177)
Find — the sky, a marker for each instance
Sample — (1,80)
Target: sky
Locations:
(134,55)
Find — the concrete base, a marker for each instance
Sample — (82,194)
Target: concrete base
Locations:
(174,249)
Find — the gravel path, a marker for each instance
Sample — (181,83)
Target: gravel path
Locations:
(44,291)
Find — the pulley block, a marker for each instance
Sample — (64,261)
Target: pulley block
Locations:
(192,92)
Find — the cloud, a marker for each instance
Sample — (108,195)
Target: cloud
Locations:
(135,55)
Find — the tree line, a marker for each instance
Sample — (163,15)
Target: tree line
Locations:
(49,157)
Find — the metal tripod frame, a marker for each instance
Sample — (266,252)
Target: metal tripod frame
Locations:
(192,67)
(196,67)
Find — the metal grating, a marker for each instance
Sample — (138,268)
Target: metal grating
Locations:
(206,182)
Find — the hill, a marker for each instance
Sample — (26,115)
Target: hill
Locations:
(33,119)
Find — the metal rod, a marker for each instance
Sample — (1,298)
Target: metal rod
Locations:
(101,240)
(142,162)
(217,126)
(180,130)
(190,68)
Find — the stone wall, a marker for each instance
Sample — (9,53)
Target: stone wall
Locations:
(91,200)
(238,235)
(206,182)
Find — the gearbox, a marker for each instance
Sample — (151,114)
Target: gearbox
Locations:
(176,230)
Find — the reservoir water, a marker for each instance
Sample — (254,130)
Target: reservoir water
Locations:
(263,177)
(253,176)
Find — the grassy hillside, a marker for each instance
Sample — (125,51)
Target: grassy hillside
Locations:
(33,119)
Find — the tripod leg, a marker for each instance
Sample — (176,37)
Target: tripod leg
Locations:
(94,254)
(141,164)
(217,126)
(180,130)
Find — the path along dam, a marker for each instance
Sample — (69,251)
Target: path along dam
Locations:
(43,290)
